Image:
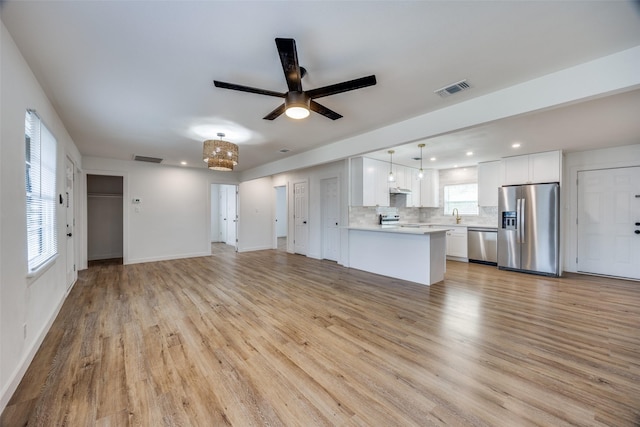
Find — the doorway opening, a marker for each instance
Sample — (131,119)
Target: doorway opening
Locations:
(224,218)
(104,220)
(281,218)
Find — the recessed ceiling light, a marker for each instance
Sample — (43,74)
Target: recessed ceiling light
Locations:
(515,145)
(183,163)
(469,153)
(433,159)
(455,166)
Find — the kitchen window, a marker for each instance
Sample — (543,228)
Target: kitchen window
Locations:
(464,197)
(40,186)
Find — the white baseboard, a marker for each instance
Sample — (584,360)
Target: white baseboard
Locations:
(167,257)
(255,248)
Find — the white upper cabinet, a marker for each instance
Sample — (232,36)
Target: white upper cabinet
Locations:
(369,186)
(532,168)
(414,186)
(429,189)
(400,173)
(488,183)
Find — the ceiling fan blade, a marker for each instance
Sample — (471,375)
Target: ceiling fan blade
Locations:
(241,88)
(321,109)
(342,87)
(275,113)
(290,66)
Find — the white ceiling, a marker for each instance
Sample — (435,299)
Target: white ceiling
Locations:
(135,77)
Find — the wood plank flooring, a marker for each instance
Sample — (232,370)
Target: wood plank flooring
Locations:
(270,338)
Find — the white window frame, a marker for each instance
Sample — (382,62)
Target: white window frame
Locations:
(461,196)
(40,188)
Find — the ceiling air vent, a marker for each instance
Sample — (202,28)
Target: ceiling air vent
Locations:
(147,159)
(452,89)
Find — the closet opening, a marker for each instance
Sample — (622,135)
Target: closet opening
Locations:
(104,220)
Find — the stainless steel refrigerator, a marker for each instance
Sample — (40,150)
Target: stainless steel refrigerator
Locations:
(529,228)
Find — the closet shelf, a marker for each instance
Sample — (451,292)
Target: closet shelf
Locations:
(105,195)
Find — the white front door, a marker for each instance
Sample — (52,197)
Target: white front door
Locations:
(301,217)
(330,219)
(72,274)
(608,211)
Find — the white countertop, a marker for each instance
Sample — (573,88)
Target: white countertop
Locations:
(403,230)
(441,225)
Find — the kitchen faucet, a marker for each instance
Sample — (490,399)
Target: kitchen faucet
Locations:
(455,212)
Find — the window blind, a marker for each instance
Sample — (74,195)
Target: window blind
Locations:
(40,186)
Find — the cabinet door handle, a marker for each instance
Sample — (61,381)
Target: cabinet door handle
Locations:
(637,231)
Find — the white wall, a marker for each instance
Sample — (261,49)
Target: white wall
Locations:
(314,176)
(173,219)
(255,215)
(32,302)
(587,160)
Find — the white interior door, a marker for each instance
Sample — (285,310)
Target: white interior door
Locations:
(232,217)
(301,217)
(330,219)
(72,274)
(222,214)
(281,211)
(608,211)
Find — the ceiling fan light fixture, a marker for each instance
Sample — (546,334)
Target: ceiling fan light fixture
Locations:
(297,105)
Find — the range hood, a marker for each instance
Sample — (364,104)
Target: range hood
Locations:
(398,190)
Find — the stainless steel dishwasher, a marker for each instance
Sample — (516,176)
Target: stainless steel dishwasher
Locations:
(483,245)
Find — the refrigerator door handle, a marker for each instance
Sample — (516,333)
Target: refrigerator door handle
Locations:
(518,220)
(522,220)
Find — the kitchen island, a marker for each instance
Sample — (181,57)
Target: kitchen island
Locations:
(413,254)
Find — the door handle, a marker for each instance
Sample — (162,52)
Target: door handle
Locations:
(637,231)
(304,222)
(336,223)
(69,234)
(518,220)
(522,220)
(637,224)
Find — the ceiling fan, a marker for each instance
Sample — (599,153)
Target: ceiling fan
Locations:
(298,102)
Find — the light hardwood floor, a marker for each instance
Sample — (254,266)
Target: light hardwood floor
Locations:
(270,338)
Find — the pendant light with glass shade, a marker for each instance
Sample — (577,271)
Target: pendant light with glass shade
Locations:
(391,178)
(421,171)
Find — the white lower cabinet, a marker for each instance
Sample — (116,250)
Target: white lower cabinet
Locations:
(457,242)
